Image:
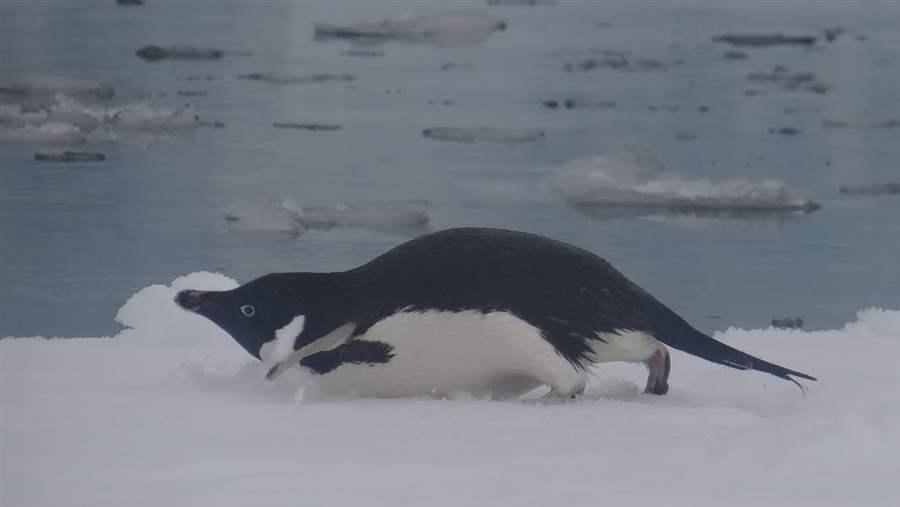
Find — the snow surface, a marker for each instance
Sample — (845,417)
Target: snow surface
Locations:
(171,412)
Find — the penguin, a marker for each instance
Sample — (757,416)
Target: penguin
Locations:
(484,311)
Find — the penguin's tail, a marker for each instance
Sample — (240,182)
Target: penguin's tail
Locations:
(701,345)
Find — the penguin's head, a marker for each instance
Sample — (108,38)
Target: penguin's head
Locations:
(264,310)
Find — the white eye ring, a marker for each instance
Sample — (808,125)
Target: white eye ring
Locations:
(248,310)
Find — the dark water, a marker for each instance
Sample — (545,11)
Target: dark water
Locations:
(76,240)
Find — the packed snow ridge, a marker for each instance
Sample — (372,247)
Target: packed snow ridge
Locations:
(172,412)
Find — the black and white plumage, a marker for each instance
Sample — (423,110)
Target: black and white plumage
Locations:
(487,311)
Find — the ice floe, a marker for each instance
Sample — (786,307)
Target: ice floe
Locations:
(483,135)
(65,120)
(288,219)
(633,184)
(457,28)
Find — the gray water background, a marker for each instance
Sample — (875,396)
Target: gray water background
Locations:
(77,240)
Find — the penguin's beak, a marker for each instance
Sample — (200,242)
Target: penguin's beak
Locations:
(190,300)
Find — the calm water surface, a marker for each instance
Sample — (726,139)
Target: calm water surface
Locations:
(76,240)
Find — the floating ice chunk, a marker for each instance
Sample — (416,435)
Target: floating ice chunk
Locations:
(379,215)
(483,134)
(633,182)
(68,110)
(760,40)
(861,124)
(157,53)
(459,28)
(521,3)
(28,87)
(792,81)
(45,134)
(14,115)
(64,120)
(288,79)
(313,127)
(69,156)
(289,219)
(264,220)
(142,117)
(871,189)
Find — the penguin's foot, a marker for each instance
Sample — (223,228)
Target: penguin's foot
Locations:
(556,396)
(658,366)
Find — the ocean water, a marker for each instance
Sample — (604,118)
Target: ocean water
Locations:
(76,240)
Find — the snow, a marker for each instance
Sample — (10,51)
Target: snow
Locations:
(172,412)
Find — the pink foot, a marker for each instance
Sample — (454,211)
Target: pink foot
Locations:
(659,365)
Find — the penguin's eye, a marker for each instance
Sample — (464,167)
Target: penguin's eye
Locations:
(248,310)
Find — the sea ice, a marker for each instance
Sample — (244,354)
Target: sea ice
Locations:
(288,218)
(484,135)
(635,182)
(28,88)
(171,411)
(458,28)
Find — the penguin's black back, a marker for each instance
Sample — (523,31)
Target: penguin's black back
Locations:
(568,293)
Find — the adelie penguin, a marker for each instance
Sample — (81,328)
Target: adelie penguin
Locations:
(485,311)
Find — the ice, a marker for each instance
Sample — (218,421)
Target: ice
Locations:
(761,40)
(263,220)
(483,135)
(378,215)
(171,411)
(28,88)
(892,188)
(158,53)
(66,120)
(288,218)
(49,134)
(636,183)
(275,78)
(454,28)
(69,156)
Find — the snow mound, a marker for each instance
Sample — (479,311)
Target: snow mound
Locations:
(173,412)
(152,318)
(635,181)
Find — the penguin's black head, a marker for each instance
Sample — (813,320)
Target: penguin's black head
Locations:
(253,313)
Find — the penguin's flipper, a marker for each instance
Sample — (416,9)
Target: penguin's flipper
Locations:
(330,340)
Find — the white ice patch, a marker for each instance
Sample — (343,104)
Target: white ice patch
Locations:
(632,180)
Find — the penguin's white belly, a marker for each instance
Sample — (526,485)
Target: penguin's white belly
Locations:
(440,353)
